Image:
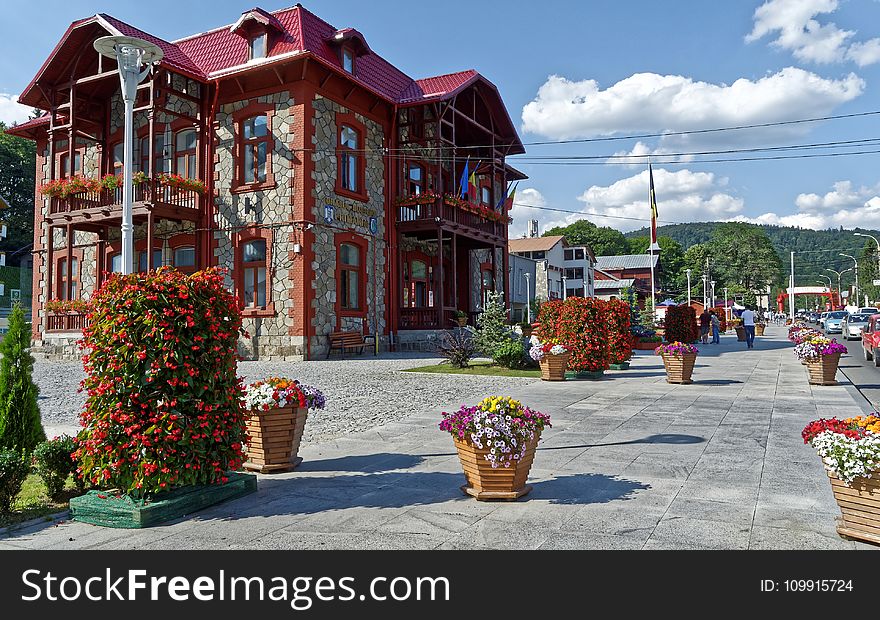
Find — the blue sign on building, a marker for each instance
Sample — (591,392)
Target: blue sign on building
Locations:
(328,214)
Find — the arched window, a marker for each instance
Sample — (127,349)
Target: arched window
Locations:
(253,261)
(185,153)
(349,141)
(255,147)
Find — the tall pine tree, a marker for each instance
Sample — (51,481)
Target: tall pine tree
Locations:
(20,425)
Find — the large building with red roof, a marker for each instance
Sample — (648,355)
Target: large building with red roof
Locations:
(329,180)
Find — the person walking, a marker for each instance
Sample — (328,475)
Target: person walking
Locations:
(705,323)
(716,327)
(748,319)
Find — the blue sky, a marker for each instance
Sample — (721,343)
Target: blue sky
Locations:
(608,68)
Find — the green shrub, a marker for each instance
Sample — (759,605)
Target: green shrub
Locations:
(20,425)
(457,346)
(510,354)
(492,326)
(13,471)
(164,405)
(53,463)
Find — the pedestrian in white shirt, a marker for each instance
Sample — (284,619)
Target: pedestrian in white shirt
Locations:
(748,319)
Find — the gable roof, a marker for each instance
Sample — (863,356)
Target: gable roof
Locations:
(627,261)
(534,244)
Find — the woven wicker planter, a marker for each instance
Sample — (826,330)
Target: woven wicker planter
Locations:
(679,368)
(859,506)
(275,436)
(553,367)
(823,371)
(485,482)
(740,333)
(759,329)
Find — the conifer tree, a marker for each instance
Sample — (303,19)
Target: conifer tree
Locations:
(20,426)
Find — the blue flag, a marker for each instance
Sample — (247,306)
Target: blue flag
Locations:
(463,183)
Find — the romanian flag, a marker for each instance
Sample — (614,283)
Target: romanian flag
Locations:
(507,203)
(463,183)
(653,207)
(472,192)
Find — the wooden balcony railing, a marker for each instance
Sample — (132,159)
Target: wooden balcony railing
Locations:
(152,191)
(66,322)
(455,211)
(426,318)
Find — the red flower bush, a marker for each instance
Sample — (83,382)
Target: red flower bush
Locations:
(681,324)
(843,427)
(582,326)
(164,403)
(619,336)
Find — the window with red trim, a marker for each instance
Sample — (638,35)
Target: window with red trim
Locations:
(255,146)
(114,262)
(64,278)
(64,164)
(254,273)
(486,195)
(351,275)
(349,158)
(185,153)
(415,179)
(142,259)
(118,153)
(347,60)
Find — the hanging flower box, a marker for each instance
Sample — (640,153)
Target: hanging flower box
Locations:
(496,442)
(850,452)
(678,359)
(425,198)
(277,412)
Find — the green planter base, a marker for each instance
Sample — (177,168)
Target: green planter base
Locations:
(620,366)
(585,374)
(100,508)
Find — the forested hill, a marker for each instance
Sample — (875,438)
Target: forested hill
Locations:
(784,238)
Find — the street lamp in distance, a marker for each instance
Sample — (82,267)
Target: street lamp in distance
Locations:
(130,55)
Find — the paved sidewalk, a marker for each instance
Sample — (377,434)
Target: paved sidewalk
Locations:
(630,463)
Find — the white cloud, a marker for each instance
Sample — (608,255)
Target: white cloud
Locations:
(12,112)
(649,102)
(640,154)
(523,210)
(845,205)
(796,29)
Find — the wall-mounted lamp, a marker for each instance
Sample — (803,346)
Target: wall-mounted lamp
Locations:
(309,226)
(297,248)
(248,208)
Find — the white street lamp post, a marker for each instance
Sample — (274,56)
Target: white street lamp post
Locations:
(712,300)
(130,55)
(528,278)
(856,283)
(564,287)
(688,271)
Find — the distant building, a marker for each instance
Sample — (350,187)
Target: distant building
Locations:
(610,287)
(521,286)
(635,267)
(561,270)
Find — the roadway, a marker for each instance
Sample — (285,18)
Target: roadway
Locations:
(863,375)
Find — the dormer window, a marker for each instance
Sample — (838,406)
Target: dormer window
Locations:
(257,46)
(347,60)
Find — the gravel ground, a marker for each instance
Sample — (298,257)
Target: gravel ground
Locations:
(362,392)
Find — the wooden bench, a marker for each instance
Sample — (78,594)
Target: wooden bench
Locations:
(349,340)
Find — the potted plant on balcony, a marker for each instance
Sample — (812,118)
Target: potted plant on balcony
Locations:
(461,317)
(495,441)
(678,359)
(850,452)
(277,409)
(821,357)
(553,359)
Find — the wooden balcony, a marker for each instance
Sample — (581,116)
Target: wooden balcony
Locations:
(66,322)
(452,214)
(92,209)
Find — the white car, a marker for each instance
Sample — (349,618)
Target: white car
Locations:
(852,326)
(822,318)
(868,310)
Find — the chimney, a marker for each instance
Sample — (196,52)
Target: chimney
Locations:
(533,228)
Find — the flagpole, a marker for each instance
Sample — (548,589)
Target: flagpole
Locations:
(651,204)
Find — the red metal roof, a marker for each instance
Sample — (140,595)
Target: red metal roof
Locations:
(24,128)
(203,55)
(438,87)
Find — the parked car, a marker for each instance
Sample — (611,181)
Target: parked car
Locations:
(871,339)
(822,318)
(813,317)
(834,321)
(869,310)
(853,326)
